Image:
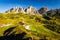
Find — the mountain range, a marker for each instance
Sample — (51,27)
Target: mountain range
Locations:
(30,24)
(30,10)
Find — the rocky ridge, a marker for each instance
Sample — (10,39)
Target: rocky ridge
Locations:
(32,10)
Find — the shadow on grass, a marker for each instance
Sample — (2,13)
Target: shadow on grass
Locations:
(12,36)
(9,30)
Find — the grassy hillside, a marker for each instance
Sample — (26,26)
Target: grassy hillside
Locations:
(40,27)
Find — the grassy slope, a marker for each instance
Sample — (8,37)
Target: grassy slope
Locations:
(35,21)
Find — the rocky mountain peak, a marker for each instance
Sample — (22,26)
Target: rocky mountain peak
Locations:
(43,10)
(31,10)
(16,10)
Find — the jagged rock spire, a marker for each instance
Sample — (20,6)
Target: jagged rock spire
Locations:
(31,10)
(16,10)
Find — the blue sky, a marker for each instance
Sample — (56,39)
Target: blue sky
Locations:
(7,4)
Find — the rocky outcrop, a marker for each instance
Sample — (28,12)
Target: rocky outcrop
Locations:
(31,10)
(16,10)
(53,12)
(43,10)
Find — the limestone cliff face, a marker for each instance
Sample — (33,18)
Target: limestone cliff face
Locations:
(31,10)
(16,10)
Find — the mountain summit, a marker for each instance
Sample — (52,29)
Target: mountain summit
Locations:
(16,10)
(29,10)
(43,10)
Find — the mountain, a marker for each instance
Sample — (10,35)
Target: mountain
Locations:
(16,10)
(43,10)
(31,10)
(53,12)
(21,25)
(25,26)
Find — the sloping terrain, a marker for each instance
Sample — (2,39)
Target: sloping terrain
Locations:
(34,27)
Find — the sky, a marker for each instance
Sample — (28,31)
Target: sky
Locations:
(8,4)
